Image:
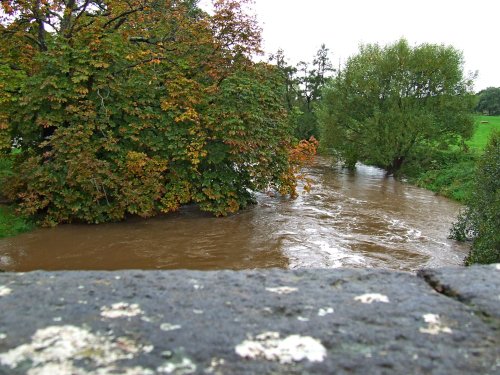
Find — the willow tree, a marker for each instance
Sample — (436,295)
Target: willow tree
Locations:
(389,100)
(137,107)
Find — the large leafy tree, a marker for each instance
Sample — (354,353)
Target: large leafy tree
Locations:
(389,100)
(137,107)
(489,101)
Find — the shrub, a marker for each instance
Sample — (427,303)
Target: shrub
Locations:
(480,220)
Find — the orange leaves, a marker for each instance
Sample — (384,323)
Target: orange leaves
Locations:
(299,156)
(304,152)
(6,5)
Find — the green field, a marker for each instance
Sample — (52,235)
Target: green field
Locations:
(485,125)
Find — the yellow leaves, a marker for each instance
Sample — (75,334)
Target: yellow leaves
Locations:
(136,161)
(190,114)
(178,192)
(81,90)
(211,194)
(139,164)
(100,64)
(234,206)
(167,105)
(77,78)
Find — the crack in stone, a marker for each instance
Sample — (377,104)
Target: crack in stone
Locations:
(449,292)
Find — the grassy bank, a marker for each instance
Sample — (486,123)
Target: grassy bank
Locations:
(451,173)
(10,223)
(484,126)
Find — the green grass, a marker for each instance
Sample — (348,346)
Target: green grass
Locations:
(451,173)
(447,173)
(12,224)
(485,125)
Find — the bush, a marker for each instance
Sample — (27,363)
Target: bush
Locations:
(449,173)
(480,220)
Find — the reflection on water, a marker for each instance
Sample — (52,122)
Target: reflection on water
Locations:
(360,219)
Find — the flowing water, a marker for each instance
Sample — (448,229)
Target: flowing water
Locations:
(360,219)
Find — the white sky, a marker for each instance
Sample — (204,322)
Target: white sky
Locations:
(299,27)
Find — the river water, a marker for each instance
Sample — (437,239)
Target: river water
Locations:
(356,219)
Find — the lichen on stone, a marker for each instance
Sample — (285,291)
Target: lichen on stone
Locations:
(434,325)
(121,310)
(325,311)
(214,364)
(372,297)
(169,327)
(294,348)
(56,350)
(282,290)
(182,367)
(4,291)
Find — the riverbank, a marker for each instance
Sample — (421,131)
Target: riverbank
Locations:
(447,173)
(254,322)
(451,173)
(11,224)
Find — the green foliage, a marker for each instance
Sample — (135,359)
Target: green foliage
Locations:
(489,101)
(388,101)
(480,221)
(449,173)
(303,88)
(12,224)
(485,125)
(138,107)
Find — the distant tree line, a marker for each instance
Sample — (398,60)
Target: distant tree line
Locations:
(304,83)
(489,101)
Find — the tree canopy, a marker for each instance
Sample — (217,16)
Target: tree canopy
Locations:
(489,101)
(388,100)
(138,107)
(304,84)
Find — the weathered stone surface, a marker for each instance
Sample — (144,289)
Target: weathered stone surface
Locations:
(477,286)
(254,322)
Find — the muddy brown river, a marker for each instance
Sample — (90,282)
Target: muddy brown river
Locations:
(360,220)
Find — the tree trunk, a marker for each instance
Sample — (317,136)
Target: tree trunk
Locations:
(395,166)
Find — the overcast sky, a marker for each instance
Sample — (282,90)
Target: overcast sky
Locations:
(299,27)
